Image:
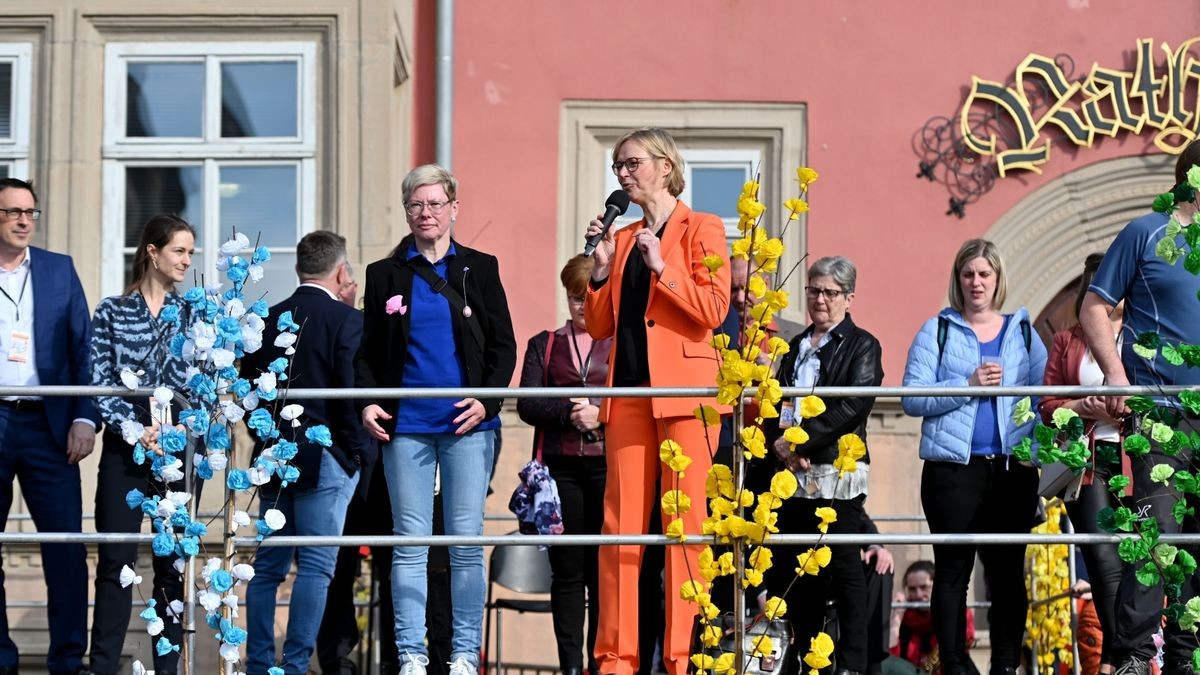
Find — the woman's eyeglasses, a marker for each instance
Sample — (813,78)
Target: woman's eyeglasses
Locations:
(435,207)
(631,164)
(829,293)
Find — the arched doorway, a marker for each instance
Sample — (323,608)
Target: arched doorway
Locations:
(1046,236)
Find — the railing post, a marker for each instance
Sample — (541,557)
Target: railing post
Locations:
(738,461)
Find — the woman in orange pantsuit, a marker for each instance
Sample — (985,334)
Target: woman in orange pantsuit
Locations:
(651,293)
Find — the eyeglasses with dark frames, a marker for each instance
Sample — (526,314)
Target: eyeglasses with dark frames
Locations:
(829,293)
(631,164)
(34,214)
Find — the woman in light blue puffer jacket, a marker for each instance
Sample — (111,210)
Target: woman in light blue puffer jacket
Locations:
(970,483)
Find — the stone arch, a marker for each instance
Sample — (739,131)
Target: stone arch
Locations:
(1046,236)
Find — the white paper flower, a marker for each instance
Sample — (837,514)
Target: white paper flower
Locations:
(255,272)
(243,572)
(232,412)
(132,431)
(129,378)
(128,576)
(155,626)
(275,519)
(211,565)
(251,401)
(172,472)
(241,518)
(258,476)
(179,498)
(165,509)
(175,609)
(292,411)
(208,600)
(231,601)
(235,308)
(204,335)
(236,244)
(164,395)
(229,652)
(222,358)
(138,668)
(218,461)
(266,381)
(178,565)
(285,339)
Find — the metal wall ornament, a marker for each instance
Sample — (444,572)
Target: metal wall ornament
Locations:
(1008,127)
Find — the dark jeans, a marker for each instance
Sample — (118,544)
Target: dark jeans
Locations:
(842,579)
(1103,564)
(29,453)
(987,495)
(575,580)
(118,475)
(1139,608)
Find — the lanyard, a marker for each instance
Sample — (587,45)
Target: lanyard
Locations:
(585,365)
(17,303)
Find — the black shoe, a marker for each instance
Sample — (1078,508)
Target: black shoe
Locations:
(1132,666)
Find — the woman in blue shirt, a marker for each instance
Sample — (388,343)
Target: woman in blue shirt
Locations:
(133,332)
(435,315)
(970,483)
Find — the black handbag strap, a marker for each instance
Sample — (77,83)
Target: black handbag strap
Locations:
(442,286)
(537,453)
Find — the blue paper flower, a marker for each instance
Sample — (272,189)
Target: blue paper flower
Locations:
(204,470)
(274,670)
(134,498)
(286,450)
(261,422)
(139,454)
(176,345)
(231,634)
(181,519)
(290,475)
(172,440)
(194,295)
(237,480)
(164,647)
(149,506)
(320,435)
(261,255)
(264,530)
(285,323)
(169,314)
(240,388)
(163,544)
(221,581)
(268,396)
(217,437)
(260,308)
(190,546)
(196,529)
(150,613)
(278,365)
(195,420)
(229,329)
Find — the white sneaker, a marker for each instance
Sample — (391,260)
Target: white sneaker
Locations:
(461,666)
(413,665)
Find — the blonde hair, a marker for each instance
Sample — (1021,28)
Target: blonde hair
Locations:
(659,144)
(429,174)
(972,249)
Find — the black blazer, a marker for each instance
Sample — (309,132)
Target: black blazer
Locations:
(380,359)
(851,358)
(329,335)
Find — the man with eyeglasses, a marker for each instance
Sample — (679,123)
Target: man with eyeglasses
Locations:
(45,331)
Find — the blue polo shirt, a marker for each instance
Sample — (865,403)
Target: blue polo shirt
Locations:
(1159,298)
(433,358)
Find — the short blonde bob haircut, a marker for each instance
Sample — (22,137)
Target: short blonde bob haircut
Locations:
(659,144)
(972,249)
(429,174)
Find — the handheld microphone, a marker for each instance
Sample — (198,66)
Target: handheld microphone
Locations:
(617,204)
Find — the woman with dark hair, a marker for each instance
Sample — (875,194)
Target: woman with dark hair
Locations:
(133,332)
(652,294)
(435,316)
(571,439)
(1072,363)
(970,482)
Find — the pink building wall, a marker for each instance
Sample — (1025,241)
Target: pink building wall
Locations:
(871,74)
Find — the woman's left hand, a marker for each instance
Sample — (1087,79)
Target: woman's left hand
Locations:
(470,417)
(647,242)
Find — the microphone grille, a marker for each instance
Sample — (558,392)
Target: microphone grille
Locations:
(619,199)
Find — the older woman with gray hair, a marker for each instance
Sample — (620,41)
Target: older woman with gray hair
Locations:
(831,352)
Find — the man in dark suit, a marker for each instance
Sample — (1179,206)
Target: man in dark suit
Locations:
(45,330)
(329,335)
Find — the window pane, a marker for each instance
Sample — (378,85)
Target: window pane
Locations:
(258,99)
(5,170)
(164,99)
(151,190)
(279,278)
(6,96)
(715,190)
(260,201)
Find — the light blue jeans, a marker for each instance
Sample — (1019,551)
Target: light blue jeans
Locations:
(410,462)
(315,511)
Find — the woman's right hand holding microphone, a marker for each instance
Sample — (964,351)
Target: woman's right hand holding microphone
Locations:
(605,249)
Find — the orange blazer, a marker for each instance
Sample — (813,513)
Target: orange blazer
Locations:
(686,303)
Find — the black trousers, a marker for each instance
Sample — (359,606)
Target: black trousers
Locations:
(1139,608)
(986,495)
(575,577)
(1104,566)
(842,579)
(117,476)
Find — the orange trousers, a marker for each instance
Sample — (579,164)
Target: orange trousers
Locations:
(632,440)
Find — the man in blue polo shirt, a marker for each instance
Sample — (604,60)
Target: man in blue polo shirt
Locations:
(1159,298)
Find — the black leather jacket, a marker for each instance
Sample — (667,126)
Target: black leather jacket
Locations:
(852,357)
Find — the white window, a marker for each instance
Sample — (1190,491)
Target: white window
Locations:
(221,134)
(15,79)
(713,179)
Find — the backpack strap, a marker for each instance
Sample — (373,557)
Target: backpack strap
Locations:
(537,446)
(456,301)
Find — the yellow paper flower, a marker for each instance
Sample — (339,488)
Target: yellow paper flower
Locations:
(766,518)
(708,567)
(768,254)
(725,564)
(719,482)
(806,176)
(723,664)
(811,406)
(710,637)
(827,516)
(750,189)
(668,449)
(778,346)
(690,589)
(748,245)
(720,341)
(761,558)
(675,502)
(766,411)
(752,577)
(769,390)
(795,436)
(852,446)
(783,485)
(679,463)
(710,612)
(776,607)
(702,661)
(763,645)
(754,441)
(795,207)
(746,498)
(721,506)
(756,286)
(845,465)
(708,415)
(713,263)
(819,650)
(811,561)
(776,300)
(749,207)
(675,530)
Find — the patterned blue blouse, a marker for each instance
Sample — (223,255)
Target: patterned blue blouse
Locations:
(126,335)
